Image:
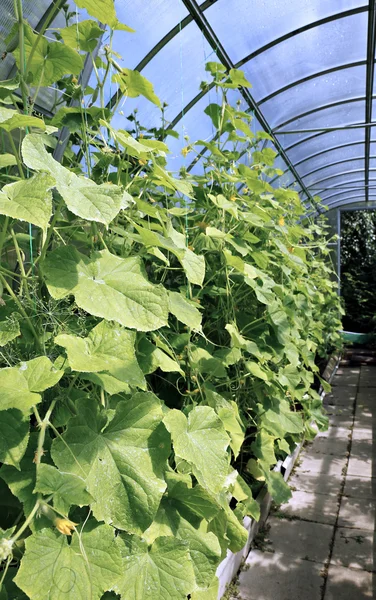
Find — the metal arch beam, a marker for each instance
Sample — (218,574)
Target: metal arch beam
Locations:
(161,44)
(291,34)
(371,45)
(215,43)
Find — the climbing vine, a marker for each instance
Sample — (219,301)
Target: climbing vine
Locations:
(158,332)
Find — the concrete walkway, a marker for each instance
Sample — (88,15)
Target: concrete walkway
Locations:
(321,545)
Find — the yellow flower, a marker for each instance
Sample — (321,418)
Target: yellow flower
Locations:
(185,151)
(245,190)
(65,526)
(141,135)
(281,221)
(142,162)
(233,198)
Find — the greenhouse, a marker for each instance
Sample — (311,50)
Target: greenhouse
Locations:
(187,300)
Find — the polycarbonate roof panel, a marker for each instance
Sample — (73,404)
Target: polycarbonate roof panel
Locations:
(332,170)
(311,52)
(344,153)
(311,144)
(302,57)
(345,84)
(347,177)
(351,113)
(176,71)
(151,20)
(244,27)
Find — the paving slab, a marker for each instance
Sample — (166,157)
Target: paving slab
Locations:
(319,508)
(364,411)
(335,433)
(345,421)
(273,576)
(328,446)
(353,548)
(341,410)
(364,432)
(358,513)
(322,463)
(361,458)
(316,483)
(341,396)
(348,584)
(299,539)
(360,487)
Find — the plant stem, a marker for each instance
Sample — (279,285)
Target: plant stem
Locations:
(27,521)
(22,310)
(20,262)
(16,155)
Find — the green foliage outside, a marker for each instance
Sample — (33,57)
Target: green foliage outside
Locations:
(358,270)
(158,336)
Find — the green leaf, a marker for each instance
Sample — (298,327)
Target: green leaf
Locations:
(104,11)
(184,311)
(211,593)
(47,61)
(11,119)
(21,482)
(108,348)
(256,370)
(277,487)
(159,572)
(202,442)
(40,373)
(204,549)
(238,78)
(263,448)
(7,160)
(282,422)
(151,358)
(82,196)
(107,286)
(9,330)
(14,436)
(228,412)
(193,265)
(52,569)
(214,111)
(67,489)
(19,384)
(122,461)
(28,200)
(82,36)
(133,84)
(205,363)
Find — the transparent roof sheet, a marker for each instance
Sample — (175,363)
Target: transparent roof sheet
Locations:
(311,52)
(309,61)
